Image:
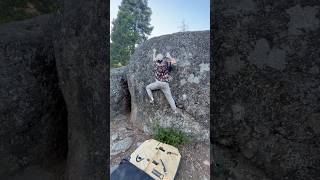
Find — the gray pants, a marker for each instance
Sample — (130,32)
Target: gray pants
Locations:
(164,87)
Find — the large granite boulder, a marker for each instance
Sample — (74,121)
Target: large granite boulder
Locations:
(81,56)
(266,86)
(119,93)
(190,85)
(33,115)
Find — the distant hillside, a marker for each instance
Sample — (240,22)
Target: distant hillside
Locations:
(13,10)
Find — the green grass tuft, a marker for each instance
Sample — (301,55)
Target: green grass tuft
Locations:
(170,136)
(116,65)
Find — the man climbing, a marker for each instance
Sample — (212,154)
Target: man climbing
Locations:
(162,68)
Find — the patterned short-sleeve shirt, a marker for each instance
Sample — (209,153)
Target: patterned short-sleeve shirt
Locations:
(162,72)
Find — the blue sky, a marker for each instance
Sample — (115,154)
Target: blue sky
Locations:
(167,15)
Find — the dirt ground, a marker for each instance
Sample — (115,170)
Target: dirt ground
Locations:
(195,160)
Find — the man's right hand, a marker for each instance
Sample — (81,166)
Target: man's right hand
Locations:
(173,61)
(154,55)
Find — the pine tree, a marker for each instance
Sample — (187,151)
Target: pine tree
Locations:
(15,10)
(130,28)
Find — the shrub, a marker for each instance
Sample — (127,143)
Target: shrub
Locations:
(170,136)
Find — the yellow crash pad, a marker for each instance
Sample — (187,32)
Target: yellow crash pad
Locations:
(157,159)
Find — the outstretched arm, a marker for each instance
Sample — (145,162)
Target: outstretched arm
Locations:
(154,55)
(172,60)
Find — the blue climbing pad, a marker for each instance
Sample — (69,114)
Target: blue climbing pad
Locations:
(126,171)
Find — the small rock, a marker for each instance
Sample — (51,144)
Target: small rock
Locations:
(206,162)
(139,143)
(114,136)
(184,97)
(122,129)
(121,146)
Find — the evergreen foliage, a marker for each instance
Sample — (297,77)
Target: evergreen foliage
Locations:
(130,28)
(14,10)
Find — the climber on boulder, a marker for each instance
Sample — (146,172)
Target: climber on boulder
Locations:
(162,68)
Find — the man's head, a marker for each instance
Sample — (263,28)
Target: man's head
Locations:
(159,58)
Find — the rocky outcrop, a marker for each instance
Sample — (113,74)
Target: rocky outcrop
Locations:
(119,92)
(190,85)
(266,86)
(54,94)
(82,54)
(33,115)
(233,166)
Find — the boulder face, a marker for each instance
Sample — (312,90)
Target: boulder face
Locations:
(53,87)
(119,92)
(265,105)
(81,55)
(33,114)
(190,84)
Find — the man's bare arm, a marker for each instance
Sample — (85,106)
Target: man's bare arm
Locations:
(154,55)
(172,60)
